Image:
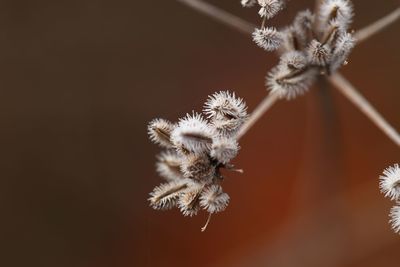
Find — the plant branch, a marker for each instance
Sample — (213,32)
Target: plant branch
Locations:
(348,90)
(377,26)
(264,105)
(220,15)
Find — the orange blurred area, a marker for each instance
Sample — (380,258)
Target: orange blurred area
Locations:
(80,80)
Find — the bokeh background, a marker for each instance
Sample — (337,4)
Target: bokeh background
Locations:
(79,81)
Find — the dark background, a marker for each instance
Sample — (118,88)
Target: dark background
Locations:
(79,80)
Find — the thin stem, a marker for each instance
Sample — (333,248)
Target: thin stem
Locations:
(348,90)
(207,222)
(377,26)
(220,15)
(264,105)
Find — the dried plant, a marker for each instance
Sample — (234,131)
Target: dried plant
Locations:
(390,187)
(314,46)
(197,148)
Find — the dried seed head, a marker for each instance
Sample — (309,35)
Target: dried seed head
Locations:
(165,196)
(343,47)
(226,111)
(390,182)
(339,10)
(225,104)
(189,201)
(159,131)
(319,54)
(395,218)
(193,134)
(224,149)
(198,168)
(268,38)
(290,40)
(248,3)
(168,165)
(288,83)
(213,199)
(269,8)
(294,60)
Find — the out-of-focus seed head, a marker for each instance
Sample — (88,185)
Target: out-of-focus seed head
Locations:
(165,196)
(248,3)
(267,38)
(343,47)
(269,8)
(294,60)
(159,131)
(389,182)
(213,199)
(224,149)
(168,165)
(193,134)
(339,10)
(395,218)
(303,26)
(319,54)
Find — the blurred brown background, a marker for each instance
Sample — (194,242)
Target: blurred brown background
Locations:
(79,81)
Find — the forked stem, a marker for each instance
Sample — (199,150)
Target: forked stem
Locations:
(220,15)
(348,90)
(377,26)
(264,105)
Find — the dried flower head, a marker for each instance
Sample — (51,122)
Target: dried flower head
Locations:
(268,38)
(159,131)
(269,8)
(335,10)
(193,133)
(213,199)
(390,182)
(197,149)
(395,218)
(319,54)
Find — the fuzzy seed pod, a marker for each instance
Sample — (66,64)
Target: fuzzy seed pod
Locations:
(193,134)
(390,182)
(189,201)
(339,10)
(290,83)
(269,8)
(319,54)
(168,165)
(268,38)
(159,131)
(166,195)
(198,168)
(343,47)
(213,199)
(303,24)
(395,218)
(294,60)
(224,149)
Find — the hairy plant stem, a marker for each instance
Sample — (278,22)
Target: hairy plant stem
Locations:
(220,15)
(351,93)
(258,112)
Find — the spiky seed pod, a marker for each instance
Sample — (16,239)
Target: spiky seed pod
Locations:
(168,165)
(224,149)
(198,168)
(248,3)
(288,83)
(339,10)
(343,47)
(189,201)
(290,40)
(319,54)
(165,196)
(390,182)
(267,38)
(294,60)
(225,104)
(303,24)
(395,218)
(213,199)
(269,8)
(159,131)
(193,134)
